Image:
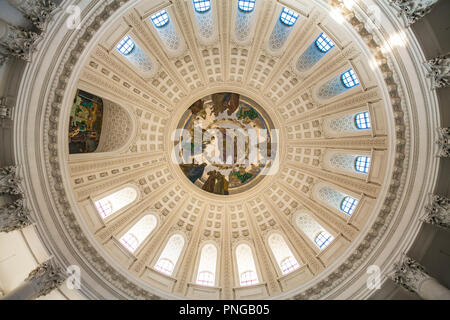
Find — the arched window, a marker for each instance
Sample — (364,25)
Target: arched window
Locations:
(323,239)
(350,79)
(126,45)
(170,255)
(160,19)
(288,17)
(138,233)
(246,5)
(362,120)
(348,205)
(202,5)
(246,265)
(207,265)
(324,43)
(116,201)
(310,227)
(362,164)
(282,253)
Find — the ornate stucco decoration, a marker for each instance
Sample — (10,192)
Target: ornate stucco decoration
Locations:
(46,277)
(413,10)
(9,181)
(439,71)
(16,42)
(14,216)
(438,211)
(409,274)
(444,142)
(38,12)
(5,109)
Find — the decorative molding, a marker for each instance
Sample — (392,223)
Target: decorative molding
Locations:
(438,211)
(444,142)
(409,274)
(46,277)
(413,10)
(439,71)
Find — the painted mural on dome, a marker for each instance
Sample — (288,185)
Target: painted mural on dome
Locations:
(224,143)
(85,123)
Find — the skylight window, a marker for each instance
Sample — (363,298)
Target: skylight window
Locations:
(348,205)
(362,164)
(324,43)
(126,45)
(202,5)
(323,239)
(362,120)
(288,17)
(350,79)
(160,19)
(246,5)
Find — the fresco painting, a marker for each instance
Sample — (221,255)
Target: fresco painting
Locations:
(85,123)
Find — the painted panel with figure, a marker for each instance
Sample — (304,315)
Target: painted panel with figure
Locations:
(85,123)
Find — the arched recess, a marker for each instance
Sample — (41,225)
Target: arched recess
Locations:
(335,198)
(284,259)
(286,22)
(108,204)
(205,21)
(207,266)
(98,125)
(355,163)
(305,223)
(245,262)
(168,260)
(139,233)
(244,23)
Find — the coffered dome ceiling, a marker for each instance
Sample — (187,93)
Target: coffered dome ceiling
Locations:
(308,213)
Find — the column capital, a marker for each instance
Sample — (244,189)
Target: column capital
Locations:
(438,211)
(444,142)
(38,12)
(409,274)
(14,216)
(16,42)
(439,71)
(5,109)
(46,277)
(10,181)
(413,10)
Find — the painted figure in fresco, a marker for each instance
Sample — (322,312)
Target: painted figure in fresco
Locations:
(193,171)
(219,100)
(196,107)
(233,105)
(210,182)
(221,186)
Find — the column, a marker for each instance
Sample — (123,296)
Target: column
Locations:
(413,10)
(40,282)
(411,275)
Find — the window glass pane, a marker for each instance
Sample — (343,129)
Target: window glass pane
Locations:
(164,266)
(246,5)
(288,16)
(323,239)
(348,205)
(202,5)
(288,265)
(160,19)
(362,164)
(205,278)
(362,120)
(248,278)
(126,45)
(350,79)
(324,43)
